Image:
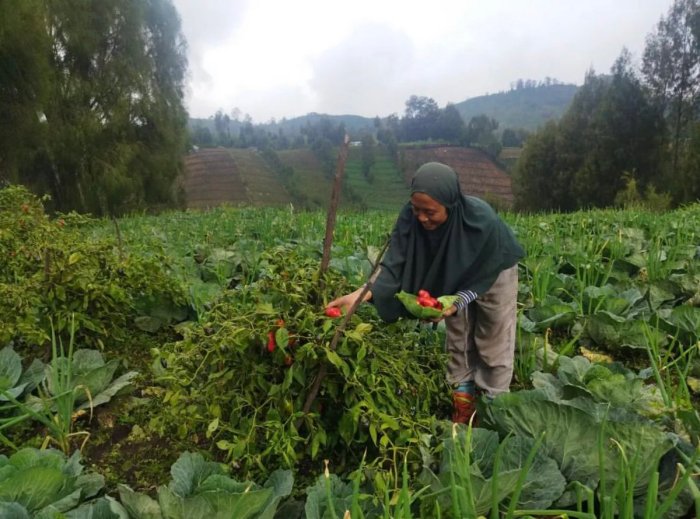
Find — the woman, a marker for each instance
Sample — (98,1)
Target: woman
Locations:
(449,243)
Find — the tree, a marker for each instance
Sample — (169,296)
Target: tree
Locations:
(368,156)
(512,138)
(24,84)
(112,117)
(689,169)
(386,134)
(222,124)
(246,134)
(323,136)
(536,173)
(610,128)
(671,67)
(420,118)
(621,134)
(325,153)
(202,136)
(480,133)
(449,125)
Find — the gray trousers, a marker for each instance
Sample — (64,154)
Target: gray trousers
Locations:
(481,338)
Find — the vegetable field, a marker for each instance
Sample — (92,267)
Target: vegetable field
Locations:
(162,366)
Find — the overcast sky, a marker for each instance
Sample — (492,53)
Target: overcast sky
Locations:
(286,58)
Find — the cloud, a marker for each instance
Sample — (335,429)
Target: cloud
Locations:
(207,24)
(274,58)
(365,73)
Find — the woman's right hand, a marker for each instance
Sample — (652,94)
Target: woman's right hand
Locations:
(346,301)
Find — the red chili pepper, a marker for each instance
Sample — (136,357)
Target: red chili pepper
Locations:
(424,301)
(423,293)
(333,312)
(271,344)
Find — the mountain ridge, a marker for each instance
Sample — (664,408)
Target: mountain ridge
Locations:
(525,108)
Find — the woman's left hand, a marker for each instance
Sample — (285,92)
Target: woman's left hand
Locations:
(447,312)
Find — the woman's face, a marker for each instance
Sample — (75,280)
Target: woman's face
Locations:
(430,213)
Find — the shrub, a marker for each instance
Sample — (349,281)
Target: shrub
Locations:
(53,271)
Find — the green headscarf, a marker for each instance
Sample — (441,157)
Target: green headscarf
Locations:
(467,252)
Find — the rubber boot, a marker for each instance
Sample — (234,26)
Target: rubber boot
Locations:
(463,402)
(463,406)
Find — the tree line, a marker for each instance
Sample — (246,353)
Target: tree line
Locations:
(422,120)
(92,102)
(631,137)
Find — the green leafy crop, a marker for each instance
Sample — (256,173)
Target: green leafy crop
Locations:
(201,489)
(44,482)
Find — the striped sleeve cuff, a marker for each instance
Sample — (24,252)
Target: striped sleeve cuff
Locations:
(465,297)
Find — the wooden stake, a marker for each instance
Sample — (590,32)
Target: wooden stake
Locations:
(333,208)
(323,370)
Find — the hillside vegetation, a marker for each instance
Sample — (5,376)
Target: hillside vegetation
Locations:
(308,178)
(526,108)
(383,188)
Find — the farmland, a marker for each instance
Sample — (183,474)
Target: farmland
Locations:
(216,176)
(205,331)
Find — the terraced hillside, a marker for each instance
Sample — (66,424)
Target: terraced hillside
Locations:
(478,174)
(308,176)
(217,176)
(212,178)
(384,188)
(263,185)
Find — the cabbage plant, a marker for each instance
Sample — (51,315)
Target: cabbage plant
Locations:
(44,483)
(87,378)
(74,380)
(14,384)
(200,489)
(480,472)
(13,381)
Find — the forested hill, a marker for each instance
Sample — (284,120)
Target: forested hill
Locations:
(527,108)
(354,124)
